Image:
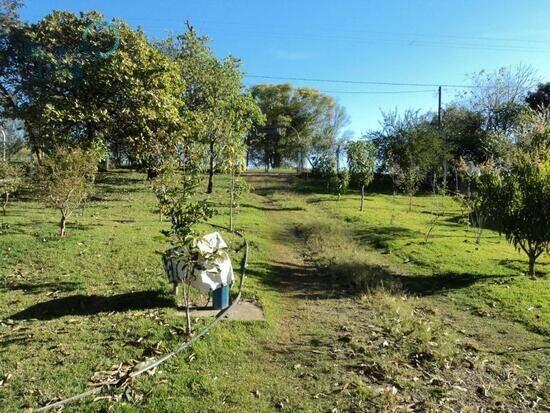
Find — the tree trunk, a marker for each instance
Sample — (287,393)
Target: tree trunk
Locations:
(62,225)
(232,201)
(186,292)
(362,197)
(434,182)
(444,177)
(211,170)
(5,204)
(456,181)
(410,202)
(532,259)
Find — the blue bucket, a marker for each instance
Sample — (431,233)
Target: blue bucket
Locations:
(220,297)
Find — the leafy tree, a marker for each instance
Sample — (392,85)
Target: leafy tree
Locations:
(186,212)
(361,165)
(341,183)
(10,28)
(323,165)
(463,131)
(517,196)
(307,121)
(410,135)
(540,98)
(499,96)
(234,164)
(165,184)
(533,132)
(409,146)
(219,111)
(65,179)
(10,182)
(69,91)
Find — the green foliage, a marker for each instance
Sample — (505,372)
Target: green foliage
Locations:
(361,165)
(517,198)
(361,162)
(410,144)
(178,200)
(308,123)
(220,112)
(185,215)
(69,92)
(65,179)
(463,130)
(340,183)
(10,181)
(165,185)
(540,98)
(324,166)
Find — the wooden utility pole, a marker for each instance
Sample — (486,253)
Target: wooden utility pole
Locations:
(439,108)
(440,131)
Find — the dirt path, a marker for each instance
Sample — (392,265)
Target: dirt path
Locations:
(348,354)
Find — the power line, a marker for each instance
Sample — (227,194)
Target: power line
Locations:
(358,82)
(360,92)
(370,32)
(407,39)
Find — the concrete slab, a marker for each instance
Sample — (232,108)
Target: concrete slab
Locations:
(243,311)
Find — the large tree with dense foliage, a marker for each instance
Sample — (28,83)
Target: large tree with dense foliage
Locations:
(76,79)
(463,132)
(308,124)
(10,29)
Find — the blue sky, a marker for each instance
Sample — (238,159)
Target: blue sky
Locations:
(435,42)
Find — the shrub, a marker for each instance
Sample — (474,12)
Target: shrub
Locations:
(65,179)
(10,181)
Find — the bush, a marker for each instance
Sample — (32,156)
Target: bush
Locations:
(65,179)
(10,182)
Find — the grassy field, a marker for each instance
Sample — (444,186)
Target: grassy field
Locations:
(445,324)
(489,277)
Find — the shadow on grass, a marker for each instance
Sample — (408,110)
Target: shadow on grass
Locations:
(299,281)
(521,266)
(380,237)
(273,209)
(38,288)
(84,305)
(342,280)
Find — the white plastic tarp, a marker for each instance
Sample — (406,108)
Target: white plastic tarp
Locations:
(209,273)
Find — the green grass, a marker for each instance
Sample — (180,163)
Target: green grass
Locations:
(489,277)
(74,306)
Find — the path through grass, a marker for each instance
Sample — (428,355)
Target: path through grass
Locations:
(75,306)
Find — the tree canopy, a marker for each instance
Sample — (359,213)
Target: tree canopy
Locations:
(306,121)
